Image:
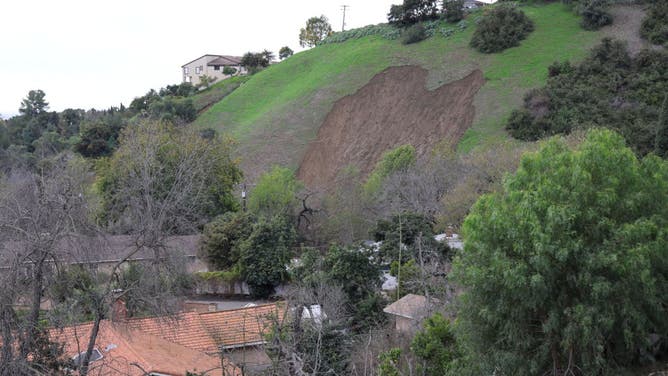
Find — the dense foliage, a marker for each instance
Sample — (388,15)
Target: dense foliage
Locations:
(500,28)
(608,89)
(255,61)
(265,254)
(654,27)
(275,193)
(412,12)
(437,346)
(566,268)
(222,237)
(157,163)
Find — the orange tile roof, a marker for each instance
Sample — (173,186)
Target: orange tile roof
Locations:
(128,351)
(240,327)
(186,329)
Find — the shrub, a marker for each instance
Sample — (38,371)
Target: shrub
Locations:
(500,28)
(593,18)
(414,34)
(654,27)
(229,71)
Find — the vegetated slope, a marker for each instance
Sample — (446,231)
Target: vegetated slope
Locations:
(276,114)
(214,94)
(393,107)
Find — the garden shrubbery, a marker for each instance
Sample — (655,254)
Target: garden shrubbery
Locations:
(500,28)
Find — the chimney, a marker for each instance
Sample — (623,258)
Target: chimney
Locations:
(119,312)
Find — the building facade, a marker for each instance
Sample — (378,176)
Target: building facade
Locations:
(211,66)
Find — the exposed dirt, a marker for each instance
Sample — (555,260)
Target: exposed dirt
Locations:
(394,108)
(626,26)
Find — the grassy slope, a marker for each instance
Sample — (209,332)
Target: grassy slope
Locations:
(217,92)
(278,111)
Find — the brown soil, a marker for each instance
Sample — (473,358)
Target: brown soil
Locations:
(394,108)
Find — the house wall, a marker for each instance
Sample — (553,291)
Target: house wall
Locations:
(405,325)
(193,77)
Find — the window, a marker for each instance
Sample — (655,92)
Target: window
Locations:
(185,70)
(94,356)
(216,67)
(198,70)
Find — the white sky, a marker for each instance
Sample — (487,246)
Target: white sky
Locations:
(96,54)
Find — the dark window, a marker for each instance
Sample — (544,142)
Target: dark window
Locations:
(216,67)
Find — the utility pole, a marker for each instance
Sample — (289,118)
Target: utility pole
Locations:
(343,8)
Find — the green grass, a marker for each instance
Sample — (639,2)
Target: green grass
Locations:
(277,112)
(216,92)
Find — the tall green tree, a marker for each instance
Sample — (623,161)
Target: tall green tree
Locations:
(266,253)
(566,268)
(316,29)
(34,104)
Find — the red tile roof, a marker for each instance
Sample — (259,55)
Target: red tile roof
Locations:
(240,327)
(128,351)
(186,329)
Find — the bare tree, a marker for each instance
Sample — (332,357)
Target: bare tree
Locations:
(310,339)
(38,211)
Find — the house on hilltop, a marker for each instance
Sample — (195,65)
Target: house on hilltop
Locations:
(211,66)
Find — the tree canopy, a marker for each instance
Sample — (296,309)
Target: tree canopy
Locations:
(566,267)
(317,29)
(169,175)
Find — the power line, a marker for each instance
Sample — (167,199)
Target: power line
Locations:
(343,24)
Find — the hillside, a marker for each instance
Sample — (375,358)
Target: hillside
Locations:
(277,114)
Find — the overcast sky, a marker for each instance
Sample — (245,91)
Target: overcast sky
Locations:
(96,54)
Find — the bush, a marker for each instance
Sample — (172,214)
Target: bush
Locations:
(500,28)
(654,27)
(593,18)
(228,71)
(414,34)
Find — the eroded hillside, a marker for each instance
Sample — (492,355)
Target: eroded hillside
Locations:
(394,108)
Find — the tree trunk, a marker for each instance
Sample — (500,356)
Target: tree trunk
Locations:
(6,317)
(83,368)
(33,317)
